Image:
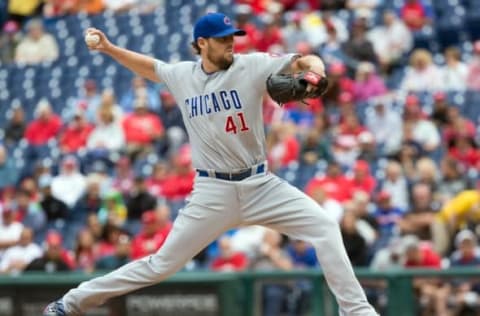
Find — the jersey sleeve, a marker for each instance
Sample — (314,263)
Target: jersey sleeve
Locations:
(164,72)
(264,64)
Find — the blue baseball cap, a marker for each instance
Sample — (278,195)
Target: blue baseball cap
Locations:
(215,25)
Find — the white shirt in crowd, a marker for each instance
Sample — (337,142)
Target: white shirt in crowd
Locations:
(387,128)
(390,42)
(69,188)
(430,79)
(25,254)
(426,133)
(455,77)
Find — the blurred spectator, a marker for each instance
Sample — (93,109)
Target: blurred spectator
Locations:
(123,176)
(315,147)
(339,82)
(453,179)
(55,258)
(464,292)
(75,134)
(245,44)
(138,201)
(424,132)
(386,124)
(156,227)
(293,33)
(140,90)
(335,184)
(16,125)
(228,260)
(415,14)
(457,126)
(70,184)
(246,239)
(23,9)
(179,184)
(10,230)
(89,100)
(395,184)
(89,203)
(473,78)
(367,83)
(466,152)
(456,214)
(94,226)
(119,257)
(271,257)
(362,4)
(355,244)
(19,256)
(157,181)
(107,136)
(88,6)
(110,236)
(113,210)
(361,179)
(148,6)
(85,251)
(387,217)
(29,212)
(366,222)
(433,293)
(419,218)
(38,46)
(45,126)
(426,171)
(455,72)
(9,173)
(422,74)
(282,146)
(330,206)
(440,110)
(171,118)
(142,129)
(391,41)
(300,114)
(358,47)
(389,257)
(54,208)
(331,49)
(9,39)
(302,254)
(346,144)
(270,37)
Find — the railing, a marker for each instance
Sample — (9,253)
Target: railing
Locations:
(209,293)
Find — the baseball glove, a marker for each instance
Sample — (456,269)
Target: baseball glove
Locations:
(284,88)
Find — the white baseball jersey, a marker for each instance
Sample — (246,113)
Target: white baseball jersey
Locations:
(222,111)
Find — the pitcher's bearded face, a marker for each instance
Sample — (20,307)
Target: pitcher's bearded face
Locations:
(220,51)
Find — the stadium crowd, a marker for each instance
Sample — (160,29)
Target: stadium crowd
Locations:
(388,151)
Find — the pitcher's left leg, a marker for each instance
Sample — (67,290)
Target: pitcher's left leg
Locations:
(278,205)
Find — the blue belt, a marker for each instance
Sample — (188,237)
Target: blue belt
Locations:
(233,176)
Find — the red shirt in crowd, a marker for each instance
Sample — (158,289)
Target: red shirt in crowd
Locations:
(428,259)
(338,188)
(142,129)
(469,157)
(39,132)
(236,262)
(367,184)
(74,138)
(244,44)
(270,37)
(178,186)
(143,245)
(413,14)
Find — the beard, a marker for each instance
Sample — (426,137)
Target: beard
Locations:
(221,61)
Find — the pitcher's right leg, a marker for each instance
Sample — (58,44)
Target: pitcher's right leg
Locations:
(196,226)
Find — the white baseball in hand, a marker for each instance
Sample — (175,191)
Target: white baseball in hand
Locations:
(92,39)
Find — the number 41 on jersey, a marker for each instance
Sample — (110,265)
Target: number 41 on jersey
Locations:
(234,122)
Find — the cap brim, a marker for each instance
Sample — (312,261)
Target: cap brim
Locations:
(232,31)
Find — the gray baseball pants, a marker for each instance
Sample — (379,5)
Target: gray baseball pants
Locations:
(216,206)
